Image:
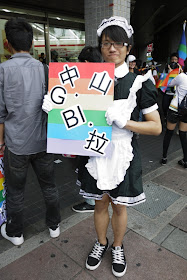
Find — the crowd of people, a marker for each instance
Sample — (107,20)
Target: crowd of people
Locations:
(24,103)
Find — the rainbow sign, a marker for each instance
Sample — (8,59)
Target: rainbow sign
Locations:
(2,193)
(80,94)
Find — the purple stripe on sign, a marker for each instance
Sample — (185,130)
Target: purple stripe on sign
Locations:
(72,147)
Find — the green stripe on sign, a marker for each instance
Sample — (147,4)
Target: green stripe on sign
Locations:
(97,117)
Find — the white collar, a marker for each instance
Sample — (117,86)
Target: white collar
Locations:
(121,71)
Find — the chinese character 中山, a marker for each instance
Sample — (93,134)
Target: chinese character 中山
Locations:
(69,75)
(100,82)
(97,142)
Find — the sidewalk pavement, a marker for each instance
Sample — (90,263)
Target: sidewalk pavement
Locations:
(155,242)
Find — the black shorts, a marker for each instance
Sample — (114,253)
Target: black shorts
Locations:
(174,117)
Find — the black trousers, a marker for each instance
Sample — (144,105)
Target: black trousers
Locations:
(16,167)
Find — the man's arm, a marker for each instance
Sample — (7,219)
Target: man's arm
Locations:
(152,125)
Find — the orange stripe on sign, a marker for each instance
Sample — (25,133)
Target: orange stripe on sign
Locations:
(86,70)
(81,86)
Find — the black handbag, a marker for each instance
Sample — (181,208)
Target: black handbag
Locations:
(182,107)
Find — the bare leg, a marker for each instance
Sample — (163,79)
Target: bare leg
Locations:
(171,126)
(119,223)
(101,218)
(183,126)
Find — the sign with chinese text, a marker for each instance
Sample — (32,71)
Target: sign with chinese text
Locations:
(2,193)
(81,94)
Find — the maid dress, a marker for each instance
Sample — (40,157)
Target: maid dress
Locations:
(119,175)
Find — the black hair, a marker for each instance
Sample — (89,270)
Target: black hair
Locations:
(116,34)
(91,54)
(19,34)
(138,62)
(174,54)
(185,66)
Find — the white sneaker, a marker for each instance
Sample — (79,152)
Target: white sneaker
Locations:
(54,233)
(15,240)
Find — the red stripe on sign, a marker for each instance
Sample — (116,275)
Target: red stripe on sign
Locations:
(86,70)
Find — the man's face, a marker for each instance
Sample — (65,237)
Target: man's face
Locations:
(132,64)
(112,54)
(174,59)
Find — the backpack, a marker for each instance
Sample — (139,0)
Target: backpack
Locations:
(182,107)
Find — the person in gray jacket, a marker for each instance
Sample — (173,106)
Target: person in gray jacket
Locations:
(23,131)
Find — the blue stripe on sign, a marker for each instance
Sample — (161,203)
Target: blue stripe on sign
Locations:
(78,133)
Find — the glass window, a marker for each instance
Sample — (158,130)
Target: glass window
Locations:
(65,43)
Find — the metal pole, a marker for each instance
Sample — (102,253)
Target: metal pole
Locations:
(47,40)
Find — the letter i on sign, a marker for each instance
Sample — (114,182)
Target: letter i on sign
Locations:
(73,117)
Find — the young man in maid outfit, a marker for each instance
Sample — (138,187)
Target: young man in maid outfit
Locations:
(118,180)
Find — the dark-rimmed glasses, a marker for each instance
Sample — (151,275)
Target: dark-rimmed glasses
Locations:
(117,45)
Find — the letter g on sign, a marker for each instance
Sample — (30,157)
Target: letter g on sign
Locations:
(58,95)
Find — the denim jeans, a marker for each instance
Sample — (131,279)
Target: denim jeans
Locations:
(16,167)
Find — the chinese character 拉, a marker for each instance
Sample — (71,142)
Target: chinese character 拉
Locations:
(97,142)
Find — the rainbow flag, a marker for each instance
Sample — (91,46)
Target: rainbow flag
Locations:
(182,51)
(81,94)
(2,193)
(165,79)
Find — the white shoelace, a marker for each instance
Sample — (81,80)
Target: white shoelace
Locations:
(118,256)
(97,251)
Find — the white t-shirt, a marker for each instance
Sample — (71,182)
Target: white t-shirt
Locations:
(181,90)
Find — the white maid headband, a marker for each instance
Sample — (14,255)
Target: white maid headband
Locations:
(119,21)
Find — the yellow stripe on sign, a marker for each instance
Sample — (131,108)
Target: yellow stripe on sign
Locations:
(1,183)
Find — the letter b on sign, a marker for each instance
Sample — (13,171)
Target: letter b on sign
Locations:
(73,117)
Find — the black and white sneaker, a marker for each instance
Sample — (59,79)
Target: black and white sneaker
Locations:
(83,207)
(95,257)
(119,265)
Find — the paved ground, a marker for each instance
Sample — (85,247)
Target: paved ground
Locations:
(155,242)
